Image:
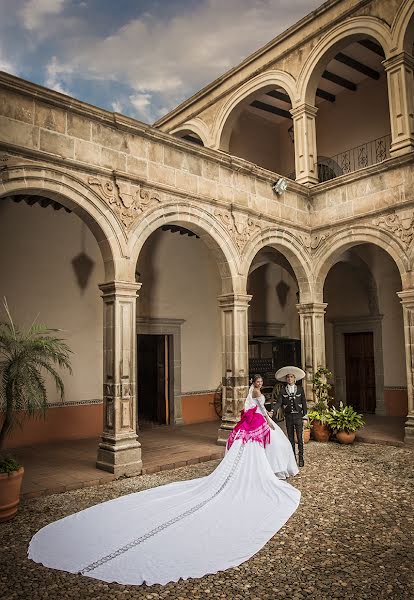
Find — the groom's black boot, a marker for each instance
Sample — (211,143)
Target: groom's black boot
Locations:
(301,461)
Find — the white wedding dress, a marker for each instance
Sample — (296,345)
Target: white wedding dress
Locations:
(279,452)
(179,530)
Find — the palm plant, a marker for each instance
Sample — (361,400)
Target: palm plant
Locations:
(25,357)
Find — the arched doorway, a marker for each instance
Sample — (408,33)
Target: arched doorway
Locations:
(180,361)
(52,265)
(364,331)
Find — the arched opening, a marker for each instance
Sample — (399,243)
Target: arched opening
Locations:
(408,36)
(274,331)
(364,331)
(178,327)
(189,136)
(260,130)
(52,265)
(349,88)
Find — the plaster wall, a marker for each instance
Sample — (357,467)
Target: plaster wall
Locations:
(180,280)
(266,307)
(37,276)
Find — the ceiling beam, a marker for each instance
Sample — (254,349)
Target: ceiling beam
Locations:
(325,95)
(373,46)
(271,109)
(338,80)
(357,66)
(279,96)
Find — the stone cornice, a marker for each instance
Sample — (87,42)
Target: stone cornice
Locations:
(123,123)
(256,55)
(83,172)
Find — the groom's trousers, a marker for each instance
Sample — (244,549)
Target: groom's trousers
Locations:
(295,423)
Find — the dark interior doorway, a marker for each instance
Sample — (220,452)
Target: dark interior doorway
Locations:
(360,371)
(154,382)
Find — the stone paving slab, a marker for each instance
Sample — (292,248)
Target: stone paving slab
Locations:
(352,537)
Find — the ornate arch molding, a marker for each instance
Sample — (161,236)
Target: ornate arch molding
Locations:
(220,135)
(216,237)
(331,248)
(294,249)
(196,126)
(400,26)
(354,28)
(71,192)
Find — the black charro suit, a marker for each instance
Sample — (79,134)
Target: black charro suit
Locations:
(295,409)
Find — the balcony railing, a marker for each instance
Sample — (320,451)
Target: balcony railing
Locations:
(365,155)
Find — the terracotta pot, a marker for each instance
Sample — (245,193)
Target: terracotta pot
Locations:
(344,437)
(306,435)
(10,485)
(321,433)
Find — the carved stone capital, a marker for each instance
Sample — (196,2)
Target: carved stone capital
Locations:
(126,199)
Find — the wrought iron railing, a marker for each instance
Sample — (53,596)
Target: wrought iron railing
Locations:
(365,155)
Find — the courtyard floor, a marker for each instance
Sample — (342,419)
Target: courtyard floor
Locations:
(351,537)
(64,466)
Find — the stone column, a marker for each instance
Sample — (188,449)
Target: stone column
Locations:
(312,335)
(401,102)
(234,333)
(119,450)
(306,154)
(407,301)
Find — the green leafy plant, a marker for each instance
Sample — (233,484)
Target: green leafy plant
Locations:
(25,357)
(321,387)
(8,465)
(318,414)
(345,418)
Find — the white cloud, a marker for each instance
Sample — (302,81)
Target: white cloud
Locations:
(165,61)
(35,12)
(56,76)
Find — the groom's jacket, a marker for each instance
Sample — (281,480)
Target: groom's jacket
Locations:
(292,404)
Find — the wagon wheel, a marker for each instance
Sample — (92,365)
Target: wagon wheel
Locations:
(218,400)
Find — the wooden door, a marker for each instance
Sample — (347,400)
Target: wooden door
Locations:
(360,371)
(152,388)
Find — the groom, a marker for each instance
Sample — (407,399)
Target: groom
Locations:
(292,399)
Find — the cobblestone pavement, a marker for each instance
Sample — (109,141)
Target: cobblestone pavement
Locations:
(352,536)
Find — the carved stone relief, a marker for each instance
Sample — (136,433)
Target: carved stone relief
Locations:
(241,227)
(402,228)
(126,199)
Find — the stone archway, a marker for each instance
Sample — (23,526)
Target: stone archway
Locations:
(194,126)
(73,193)
(232,107)
(375,322)
(403,28)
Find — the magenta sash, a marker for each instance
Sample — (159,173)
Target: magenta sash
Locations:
(251,427)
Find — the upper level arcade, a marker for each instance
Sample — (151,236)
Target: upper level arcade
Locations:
(331,95)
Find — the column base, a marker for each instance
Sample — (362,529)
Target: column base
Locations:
(401,148)
(120,457)
(409,430)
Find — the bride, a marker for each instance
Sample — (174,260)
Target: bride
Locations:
(187,528)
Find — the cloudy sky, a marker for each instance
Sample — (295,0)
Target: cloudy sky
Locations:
(137,57)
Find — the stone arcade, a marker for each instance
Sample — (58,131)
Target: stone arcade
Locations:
(337,245)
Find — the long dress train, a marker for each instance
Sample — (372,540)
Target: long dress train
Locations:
(179,530)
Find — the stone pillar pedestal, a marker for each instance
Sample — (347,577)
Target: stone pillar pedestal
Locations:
(312,335)
(234,332)
(119,450)
(407,301)
(306,154)
(401,102)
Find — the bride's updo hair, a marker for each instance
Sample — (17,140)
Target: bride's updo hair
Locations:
(256,377)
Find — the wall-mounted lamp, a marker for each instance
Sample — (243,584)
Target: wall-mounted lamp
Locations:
(280,186)
(291,133)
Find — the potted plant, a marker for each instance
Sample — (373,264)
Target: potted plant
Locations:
(306,431)
(344,421)
(318,414)
(25,358)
